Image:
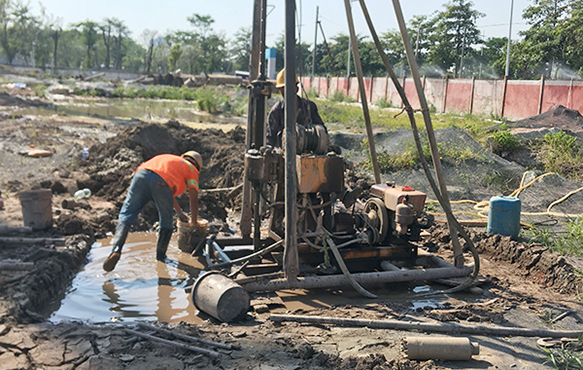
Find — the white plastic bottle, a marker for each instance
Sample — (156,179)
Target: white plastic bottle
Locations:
(80,194)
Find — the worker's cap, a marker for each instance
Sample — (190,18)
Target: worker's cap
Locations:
(195,156)
(280,81)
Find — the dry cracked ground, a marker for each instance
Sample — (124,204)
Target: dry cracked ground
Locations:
(521,284)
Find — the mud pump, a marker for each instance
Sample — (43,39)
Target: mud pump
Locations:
(300,224)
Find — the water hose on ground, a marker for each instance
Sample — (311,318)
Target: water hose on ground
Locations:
(346,272)
(483,206)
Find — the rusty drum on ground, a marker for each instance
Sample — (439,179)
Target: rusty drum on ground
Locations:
(219,296)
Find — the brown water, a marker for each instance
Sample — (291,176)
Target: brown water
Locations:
(142,288)
(139,288)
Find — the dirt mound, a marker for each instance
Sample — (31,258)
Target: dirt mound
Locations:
(533,260)
(558,116)
(26,297)
(7,99)
(109,169)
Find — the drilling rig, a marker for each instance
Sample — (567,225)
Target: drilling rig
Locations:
(301,226)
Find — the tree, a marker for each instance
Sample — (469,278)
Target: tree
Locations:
(89,33)
(210,44)
(543,39)
(175,53)
(106,29)
(147,41)
(455,34)
(240,50)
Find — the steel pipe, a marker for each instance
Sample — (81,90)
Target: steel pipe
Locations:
(438,327)
(330,281)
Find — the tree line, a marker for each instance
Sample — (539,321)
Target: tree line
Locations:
(447,42)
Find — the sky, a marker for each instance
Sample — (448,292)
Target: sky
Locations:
(231,15)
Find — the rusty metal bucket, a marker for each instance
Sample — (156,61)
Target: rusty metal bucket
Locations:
(219,296)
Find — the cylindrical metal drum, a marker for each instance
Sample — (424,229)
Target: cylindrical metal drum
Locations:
(440,348)
(219,296)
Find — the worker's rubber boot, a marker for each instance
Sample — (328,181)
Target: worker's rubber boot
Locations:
(163,240)
(119,239)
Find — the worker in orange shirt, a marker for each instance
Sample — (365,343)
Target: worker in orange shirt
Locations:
(159,179)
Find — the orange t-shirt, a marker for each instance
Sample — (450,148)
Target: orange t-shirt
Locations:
(178,173)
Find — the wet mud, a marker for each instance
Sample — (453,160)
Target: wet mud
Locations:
(521,281)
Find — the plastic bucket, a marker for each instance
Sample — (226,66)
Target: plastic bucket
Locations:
(504,216)
(189,237)
(219,296)
(37,211)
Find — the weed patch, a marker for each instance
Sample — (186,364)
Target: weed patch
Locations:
(560,153)
(566,243)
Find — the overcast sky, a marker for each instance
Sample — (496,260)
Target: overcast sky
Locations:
(230,15)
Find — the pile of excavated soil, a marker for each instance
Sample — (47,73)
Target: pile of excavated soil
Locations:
(558,116)
(533,261)
(108,171)
(26,294)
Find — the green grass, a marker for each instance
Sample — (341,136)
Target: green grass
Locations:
(350,116)
(409,157)
(560,153)
(565,243)
(39,90)
(503,141)
(208,99)
(568,357)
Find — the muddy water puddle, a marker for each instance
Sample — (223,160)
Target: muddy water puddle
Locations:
(139,288)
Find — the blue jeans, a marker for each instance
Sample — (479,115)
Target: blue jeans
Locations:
(148,185)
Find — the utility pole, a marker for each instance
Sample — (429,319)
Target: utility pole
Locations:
(348,62)
(32,53)
(507,71)
(349,47)
(459,75)
(315,42)
(417,42)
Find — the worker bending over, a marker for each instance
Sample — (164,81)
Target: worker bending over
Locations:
(159,179)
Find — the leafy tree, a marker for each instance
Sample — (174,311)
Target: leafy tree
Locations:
(90,37)
(455,34)
(210,44)
(147,39)
(119,46)
(240,50)
(175,53)
(542,40)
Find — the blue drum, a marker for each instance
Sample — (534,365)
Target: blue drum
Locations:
(504,216)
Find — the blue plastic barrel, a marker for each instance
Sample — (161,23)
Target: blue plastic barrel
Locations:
(504,216)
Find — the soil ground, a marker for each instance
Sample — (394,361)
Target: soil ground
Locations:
(521,284)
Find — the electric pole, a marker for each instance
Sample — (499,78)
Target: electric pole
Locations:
(507,71)
(315,42)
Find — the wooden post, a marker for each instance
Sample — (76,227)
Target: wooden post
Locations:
(387,90)
(404,89)
(356,55)
(445,93)
(504,96)
(424,82)
(371,88)
(472,94)
(570,97)
(290,258)
(245,223)
(541,94)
